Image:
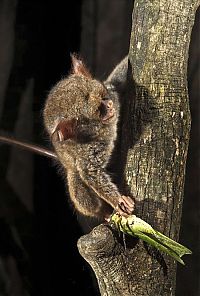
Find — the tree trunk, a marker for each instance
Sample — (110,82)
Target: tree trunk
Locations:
(156,127)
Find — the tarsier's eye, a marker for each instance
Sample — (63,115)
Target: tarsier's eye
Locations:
(105,98)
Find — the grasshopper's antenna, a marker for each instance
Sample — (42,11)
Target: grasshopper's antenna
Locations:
(31,147)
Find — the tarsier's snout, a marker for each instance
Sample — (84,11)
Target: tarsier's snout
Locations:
(109,104)
(109,110)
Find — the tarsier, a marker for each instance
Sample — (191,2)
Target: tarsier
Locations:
(80,116)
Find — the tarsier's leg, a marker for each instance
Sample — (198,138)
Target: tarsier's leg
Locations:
(85,199)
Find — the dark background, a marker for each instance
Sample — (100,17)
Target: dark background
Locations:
(38,227)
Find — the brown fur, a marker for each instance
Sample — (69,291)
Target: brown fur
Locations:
(81,117)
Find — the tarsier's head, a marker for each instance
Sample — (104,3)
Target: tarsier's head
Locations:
(78,104)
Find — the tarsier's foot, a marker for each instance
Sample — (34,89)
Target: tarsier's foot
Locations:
(125,206)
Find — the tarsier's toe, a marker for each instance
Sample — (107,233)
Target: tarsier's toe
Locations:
(125,206)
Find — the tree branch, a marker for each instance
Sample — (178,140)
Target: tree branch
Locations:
(156,125)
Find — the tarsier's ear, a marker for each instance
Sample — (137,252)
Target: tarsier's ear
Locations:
(65,129)
(78,67)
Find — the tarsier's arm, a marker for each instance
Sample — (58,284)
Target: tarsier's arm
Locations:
(100,182)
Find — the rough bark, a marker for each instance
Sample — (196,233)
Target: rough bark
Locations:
(156,127)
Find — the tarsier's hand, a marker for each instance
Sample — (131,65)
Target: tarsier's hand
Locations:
(125,206)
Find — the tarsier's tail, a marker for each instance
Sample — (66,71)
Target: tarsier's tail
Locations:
(27,146)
